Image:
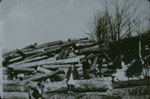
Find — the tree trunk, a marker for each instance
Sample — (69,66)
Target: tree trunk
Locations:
(49,44)
(91,85)
(60,54)
(41,76)
(93,67)
(66,53)
(92,50)
(74,60)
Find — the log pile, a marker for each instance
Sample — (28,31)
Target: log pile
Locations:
(50,61)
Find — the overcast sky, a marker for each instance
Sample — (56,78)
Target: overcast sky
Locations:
(29,21)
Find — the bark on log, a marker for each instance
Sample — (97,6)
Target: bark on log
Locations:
(35,59)
(11,82)
(66,53)
(47,52)
(72,43)
(15,95)
(49,44)
(23,49)
(33,46)
(13,88)
(86,41)
(23,70)
(20,53)
(59,77)
(60,54)
(51,47)
(15,60)
(42,76)
(74,60)
(95,84)
(60,66)
(93,67)
(92,50)
(91,85)
(29,61)
(43,70)
(84,45)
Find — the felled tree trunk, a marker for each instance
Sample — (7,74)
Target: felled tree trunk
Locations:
(91,85)
(93,67)
(60,66)
(15,95)
(95,49)
(23,70)
(66,53)
(47,52)
(85,45)
(43,70)
(36,59)
(60,54)
(95,84)
(74,60)
(50,44)
(42,76)
(29,47)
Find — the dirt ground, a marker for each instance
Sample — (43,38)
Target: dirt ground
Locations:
(89,95)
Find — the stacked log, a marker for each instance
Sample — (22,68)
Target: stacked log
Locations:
(39,62)
(94,84)
(47,61)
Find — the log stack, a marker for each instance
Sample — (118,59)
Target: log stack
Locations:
(40,62)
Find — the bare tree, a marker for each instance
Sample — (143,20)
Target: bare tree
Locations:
(113,25)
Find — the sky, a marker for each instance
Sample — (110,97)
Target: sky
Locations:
(28,21)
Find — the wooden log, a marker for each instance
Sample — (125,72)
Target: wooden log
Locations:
(47,52)
(60,54)
(51,47)
(60,66)
(35,59)
(66,53)
(94,84)
(11,82)
(15,95)
(94,65)
(92,50)
(42,76)
(13,88)
(32,46)
(91,85)
(72,42)
(79,40)
(49,44)
(20,53)
(27,54)
(84,45)
(43,70)
(59,77)
(27,61)
(67,44)
(23,70)
(86,41)
(74,60)
(14,60)
(23,49)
